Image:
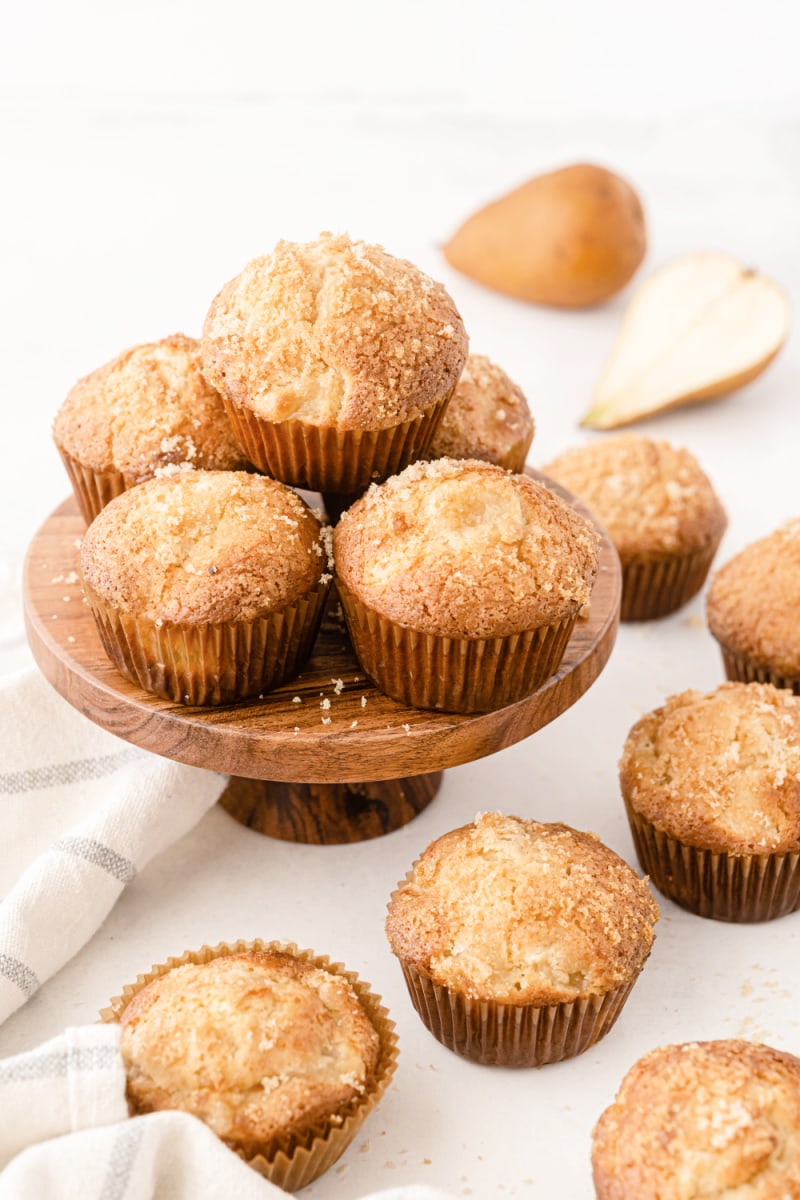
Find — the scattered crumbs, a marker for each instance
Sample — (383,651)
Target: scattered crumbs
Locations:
(261,695)
(746,988)
(340,1170)
(326,720)
(338,686)
(66,599)
(70,638)
(364,1147)
(407,729)
(57,579)
(356,679)
(186,698)
(326,578)
(296,730)
(353,724)
(363,701)
(426,1162)
(325,703)
(54,617)
(78,543)
(159,622)
(694,621)
(297,699)
(467,1191)
(391,1165)
(84,600)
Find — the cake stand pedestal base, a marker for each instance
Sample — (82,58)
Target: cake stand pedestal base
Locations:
(329,813)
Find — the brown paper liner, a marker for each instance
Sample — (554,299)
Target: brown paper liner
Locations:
(740,668)
(742,888)
(323,458)
(208,664)
(653,588)
(93,489)
(294,1162)
(512,1035)
(462,675)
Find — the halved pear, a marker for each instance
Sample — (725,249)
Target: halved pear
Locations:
(700,327)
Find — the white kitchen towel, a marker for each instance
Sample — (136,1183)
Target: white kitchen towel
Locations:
(81,812)
(65,1135)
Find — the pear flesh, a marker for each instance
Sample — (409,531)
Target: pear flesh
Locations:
(700,327)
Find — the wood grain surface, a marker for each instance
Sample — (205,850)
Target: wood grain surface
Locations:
(329,725)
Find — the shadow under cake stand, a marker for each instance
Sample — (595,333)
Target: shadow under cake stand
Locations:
(325,758)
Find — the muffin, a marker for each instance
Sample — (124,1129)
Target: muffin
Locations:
(461,583)
(207,587)
(711,783)
(660,511)
(519,941)
(282,1053)
(702,1119)
(147,412)
(335,361)
(487,418)
(752,610)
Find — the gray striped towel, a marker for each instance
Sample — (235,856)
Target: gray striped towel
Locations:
(81,812)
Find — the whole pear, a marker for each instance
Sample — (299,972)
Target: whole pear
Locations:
(570,238)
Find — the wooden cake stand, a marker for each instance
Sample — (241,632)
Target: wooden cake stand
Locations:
(299,758)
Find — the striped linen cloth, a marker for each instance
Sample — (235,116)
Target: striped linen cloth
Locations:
(81,812)
(65,1135)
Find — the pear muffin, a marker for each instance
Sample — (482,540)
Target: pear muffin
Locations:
(335,360)
(752,610)
(206,587)
(487,418)
(149,411)
(280,1052)
(520,941)
(711,784)
(461,583)
(711,1119)
(660,511)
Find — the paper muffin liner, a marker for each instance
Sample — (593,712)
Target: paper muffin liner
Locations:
(93,489)
(653,588)
(741,888)
(461,675)
(742,669)
(210,664)
(323,458)
(512,1035)
(294,1161)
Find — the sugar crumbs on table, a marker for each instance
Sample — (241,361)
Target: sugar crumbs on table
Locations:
(70,639)
(326,720)
(407,729)
(353,724)
(296,730)
(325,703)
(338,686)
(363,701)
(297,699)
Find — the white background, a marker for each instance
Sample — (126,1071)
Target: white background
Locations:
(147,152)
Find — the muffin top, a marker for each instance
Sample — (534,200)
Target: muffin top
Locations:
(259,1045)
(334,332)
(652,498)
(711,1119)
(465,549)
(487,418)
(207,546)
(720,770)
(517,911)
(752,601)
(146,412)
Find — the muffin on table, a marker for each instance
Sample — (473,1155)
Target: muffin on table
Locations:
(207,587)
(711,784)
(520,941)
(752,610)
(280,1052)
(461,583)
(712,1119)
(148,411)
(660,511)
(488,418)
(335,360)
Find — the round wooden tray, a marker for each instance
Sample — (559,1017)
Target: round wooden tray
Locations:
(329,726)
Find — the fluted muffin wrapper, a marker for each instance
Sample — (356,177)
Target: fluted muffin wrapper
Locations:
(740,888)
(293,1162)
(324,458)
(463,675)
(205,663)
(512,1035)
(740,668)
(93,489)
(653,588)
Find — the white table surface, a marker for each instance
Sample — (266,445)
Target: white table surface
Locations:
(122,215)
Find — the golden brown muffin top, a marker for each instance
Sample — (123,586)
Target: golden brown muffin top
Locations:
(334,332)
(752,601)
(653,498)
(703,1119)
(259,1045)
(465,549)
(487,418)
(517,911)
(208,546)
(719,770)
(148,410)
